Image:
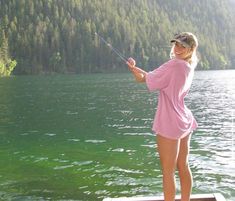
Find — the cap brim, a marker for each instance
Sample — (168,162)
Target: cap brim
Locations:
(181,42)
(174,40)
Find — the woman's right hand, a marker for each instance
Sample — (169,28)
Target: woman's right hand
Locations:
(131,63)
(138,73)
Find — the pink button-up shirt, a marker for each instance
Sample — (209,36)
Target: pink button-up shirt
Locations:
(173,79)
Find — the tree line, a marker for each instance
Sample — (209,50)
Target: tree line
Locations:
(58,36)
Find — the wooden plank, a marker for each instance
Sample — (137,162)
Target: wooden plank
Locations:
(219,197)
(197,197)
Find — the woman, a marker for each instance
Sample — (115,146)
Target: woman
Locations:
(173,122)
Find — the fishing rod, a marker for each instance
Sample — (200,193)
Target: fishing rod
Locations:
(116,51)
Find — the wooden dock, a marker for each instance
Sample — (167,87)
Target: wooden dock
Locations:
(196,197)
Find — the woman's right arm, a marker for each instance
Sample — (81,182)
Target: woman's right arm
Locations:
(139,74)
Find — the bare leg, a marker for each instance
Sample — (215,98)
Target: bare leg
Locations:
(168,151)
(184,169)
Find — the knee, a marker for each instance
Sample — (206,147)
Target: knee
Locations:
(168,171)
(183,167)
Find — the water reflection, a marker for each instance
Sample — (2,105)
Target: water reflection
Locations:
(89,137)
(212,148)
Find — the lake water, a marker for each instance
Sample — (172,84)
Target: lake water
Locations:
(87,137)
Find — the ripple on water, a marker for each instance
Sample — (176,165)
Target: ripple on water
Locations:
(118,169)
(62,167)
(50,134)
(71,113)
(126,112)
(121,150)
(139,134)
(131,181)
(117,150)
(39,159)
(73,140)
(83,187)
(24,134)
(152,146)
(71,164)
(95,141)
(81,163)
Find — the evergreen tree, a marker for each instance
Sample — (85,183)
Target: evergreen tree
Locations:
(6,64)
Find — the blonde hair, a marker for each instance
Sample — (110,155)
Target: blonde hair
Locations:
(192,58)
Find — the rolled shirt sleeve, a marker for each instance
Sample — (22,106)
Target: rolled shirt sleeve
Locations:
(158,78)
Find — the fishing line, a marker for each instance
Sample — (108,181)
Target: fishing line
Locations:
(116,51)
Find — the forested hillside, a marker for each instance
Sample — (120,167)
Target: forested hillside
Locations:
(58,36)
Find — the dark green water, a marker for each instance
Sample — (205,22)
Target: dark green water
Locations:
(89,137)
